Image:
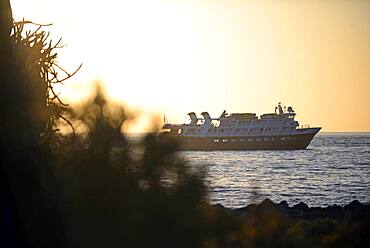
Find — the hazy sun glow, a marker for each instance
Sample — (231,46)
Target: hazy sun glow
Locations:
(174,57)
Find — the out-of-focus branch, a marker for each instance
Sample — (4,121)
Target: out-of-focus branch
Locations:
(40,54)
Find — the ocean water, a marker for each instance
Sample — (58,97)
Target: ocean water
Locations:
(334,169)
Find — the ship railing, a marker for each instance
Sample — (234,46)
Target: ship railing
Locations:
(304,126)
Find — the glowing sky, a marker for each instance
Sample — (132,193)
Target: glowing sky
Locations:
(174,57)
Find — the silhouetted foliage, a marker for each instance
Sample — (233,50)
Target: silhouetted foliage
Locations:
(112,199)
(28,189)
(84,190)
(98,189)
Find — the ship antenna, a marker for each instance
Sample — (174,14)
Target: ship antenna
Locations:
(164,119)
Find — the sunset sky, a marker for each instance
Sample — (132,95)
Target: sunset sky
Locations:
(179,56)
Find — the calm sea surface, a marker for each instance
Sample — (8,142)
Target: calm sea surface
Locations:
(334,169)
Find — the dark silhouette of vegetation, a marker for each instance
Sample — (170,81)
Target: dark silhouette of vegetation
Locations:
(98,189)
(111,199)
(83,190)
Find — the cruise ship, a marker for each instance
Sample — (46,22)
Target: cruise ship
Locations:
(242,131)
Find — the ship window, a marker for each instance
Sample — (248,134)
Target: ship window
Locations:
(282,138)
(250,139)
(241,140)
(222,130)
(272,139)
(261,130)
(216,140)
(265,139)
(258,139)
(225,140)
(237,130)
(233,140)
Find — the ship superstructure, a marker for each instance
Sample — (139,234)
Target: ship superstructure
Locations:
(242,131)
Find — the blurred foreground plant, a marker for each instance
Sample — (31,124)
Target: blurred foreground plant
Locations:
(28,109)
(35,61)
(89,190)
(110,198)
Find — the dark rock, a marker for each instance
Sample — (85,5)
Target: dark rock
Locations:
(354,206)
(267,206)
(218,206)
(316,212)
(335,208)
(250,207)
(333,211)
(267,203)
(283,204)
(301,206)
(355,209)
(244,210)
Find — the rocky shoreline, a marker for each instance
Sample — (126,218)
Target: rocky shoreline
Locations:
(270,224)
(302,210)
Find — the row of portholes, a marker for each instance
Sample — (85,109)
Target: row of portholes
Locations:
(266,139)
(251,130)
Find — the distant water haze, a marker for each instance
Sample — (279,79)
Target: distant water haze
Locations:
(179,56)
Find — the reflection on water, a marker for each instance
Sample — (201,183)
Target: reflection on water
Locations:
(335,169)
